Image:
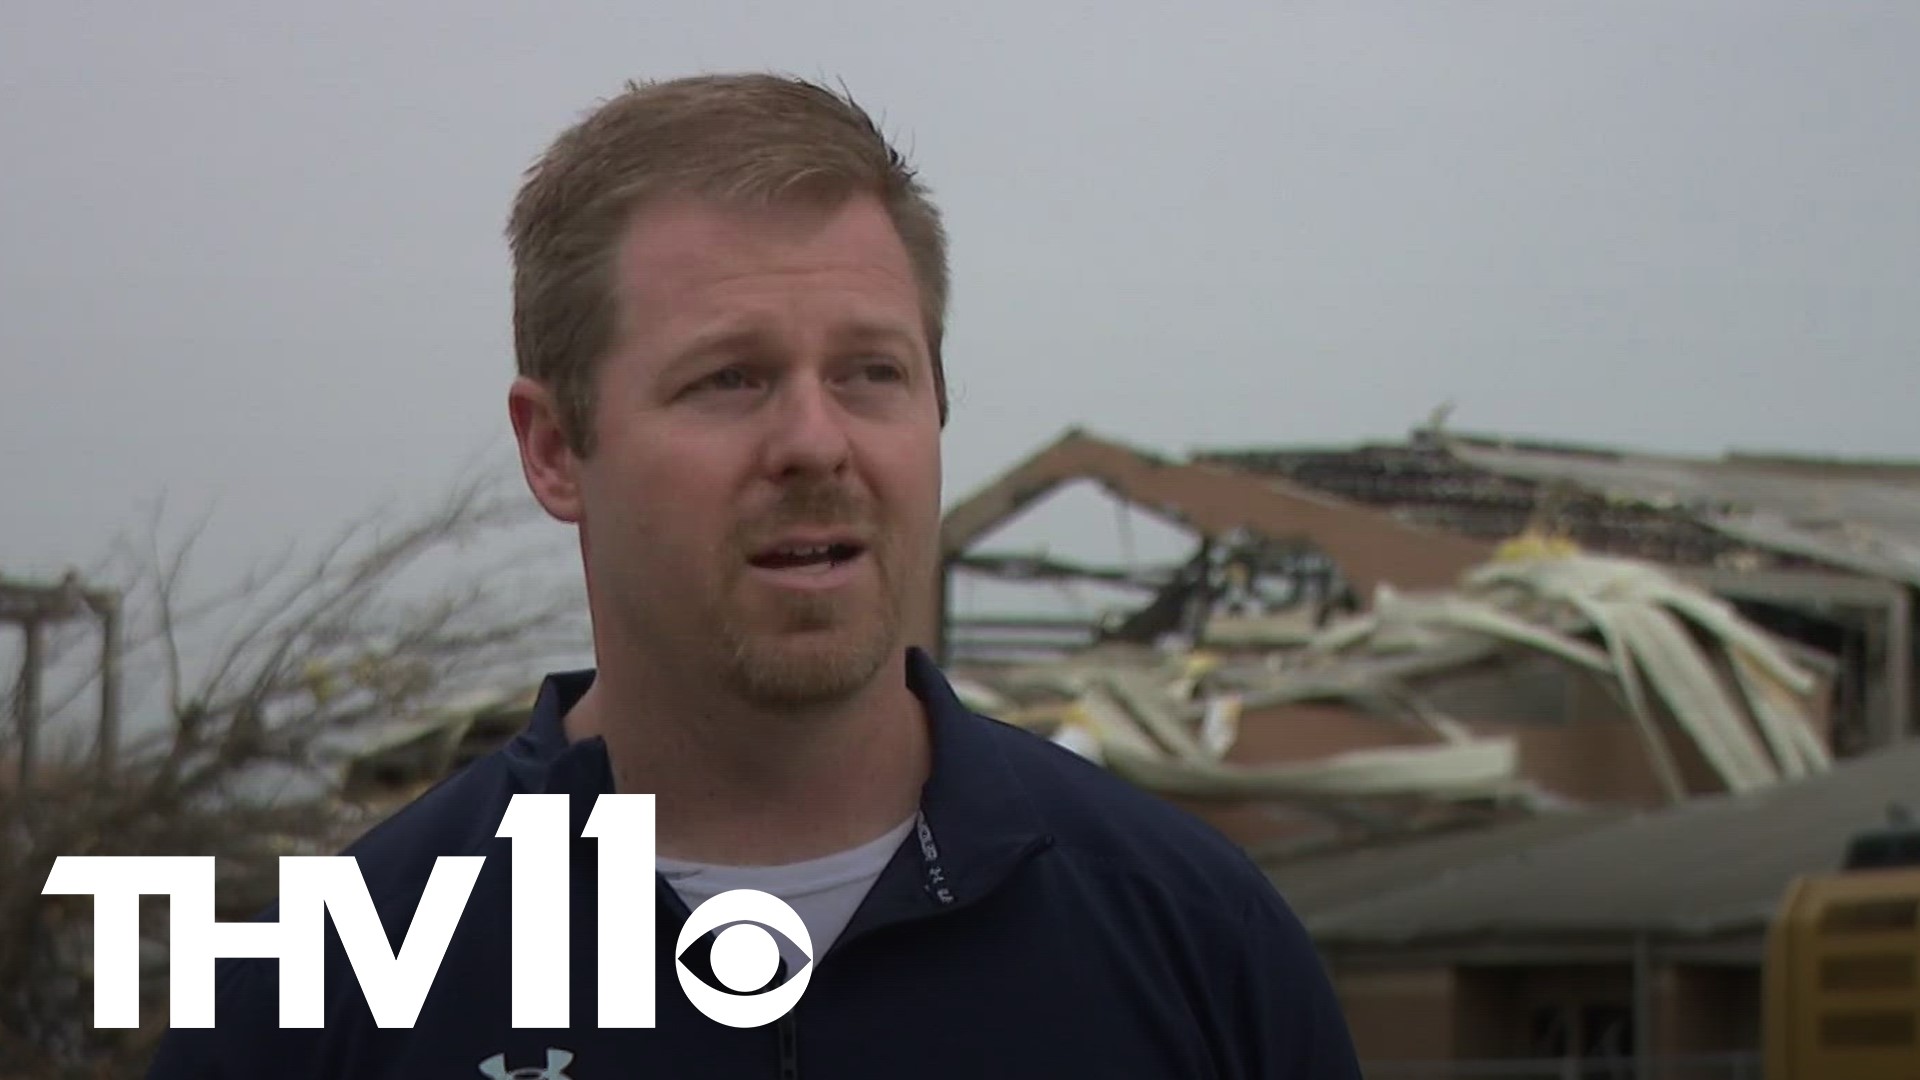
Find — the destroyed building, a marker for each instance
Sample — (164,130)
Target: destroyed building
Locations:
(1277,568)
(1533,737)
(1826,552)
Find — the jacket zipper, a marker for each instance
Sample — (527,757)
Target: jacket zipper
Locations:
(786,1028)
(789,1048)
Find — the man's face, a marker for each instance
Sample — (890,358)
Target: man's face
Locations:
(762,501)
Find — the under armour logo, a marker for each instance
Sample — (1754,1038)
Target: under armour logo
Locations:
(495,1067)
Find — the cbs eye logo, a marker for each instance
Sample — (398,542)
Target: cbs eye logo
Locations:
(745,957)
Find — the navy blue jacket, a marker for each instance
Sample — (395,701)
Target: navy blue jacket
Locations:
(1086,929)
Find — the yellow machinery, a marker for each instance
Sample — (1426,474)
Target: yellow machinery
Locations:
(1842,983)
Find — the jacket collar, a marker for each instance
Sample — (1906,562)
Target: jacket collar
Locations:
(977,819)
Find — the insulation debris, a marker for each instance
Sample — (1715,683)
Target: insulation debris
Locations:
(1688,672)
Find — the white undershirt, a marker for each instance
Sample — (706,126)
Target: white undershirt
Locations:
(824,892)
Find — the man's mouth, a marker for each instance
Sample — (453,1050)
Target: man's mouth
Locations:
(808,556)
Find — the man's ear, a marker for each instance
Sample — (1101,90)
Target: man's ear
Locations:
(546,458)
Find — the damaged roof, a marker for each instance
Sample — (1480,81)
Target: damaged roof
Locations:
(1863,517)
(1860,516)
(1714,865)
(1371,546)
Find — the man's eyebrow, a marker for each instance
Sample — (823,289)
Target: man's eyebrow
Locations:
(724,338)
(872,332)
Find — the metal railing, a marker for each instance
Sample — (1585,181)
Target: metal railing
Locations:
(1742,1066)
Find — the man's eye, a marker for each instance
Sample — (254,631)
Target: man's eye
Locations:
(881,371)
(725,379)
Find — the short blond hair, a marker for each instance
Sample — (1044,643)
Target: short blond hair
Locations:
(745,137)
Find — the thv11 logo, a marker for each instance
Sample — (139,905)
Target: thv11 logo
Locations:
(396,983)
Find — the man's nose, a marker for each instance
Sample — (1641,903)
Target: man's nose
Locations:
(809,432)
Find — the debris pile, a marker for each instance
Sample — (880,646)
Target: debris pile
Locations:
(1693,677)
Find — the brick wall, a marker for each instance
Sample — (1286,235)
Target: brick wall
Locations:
(1402,1014)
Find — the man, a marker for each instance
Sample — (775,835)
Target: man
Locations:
(729,302)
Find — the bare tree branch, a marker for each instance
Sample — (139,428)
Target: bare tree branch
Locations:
(295,655)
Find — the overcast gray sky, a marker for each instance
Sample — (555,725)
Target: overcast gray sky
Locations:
(251,254)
